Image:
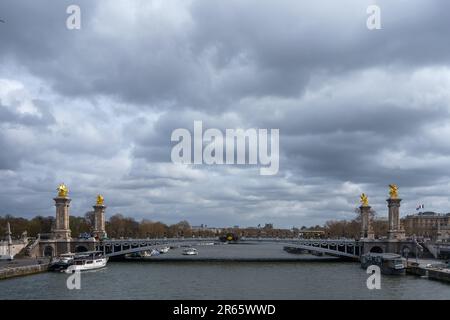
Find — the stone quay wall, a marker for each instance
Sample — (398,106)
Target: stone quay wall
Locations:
(12,272)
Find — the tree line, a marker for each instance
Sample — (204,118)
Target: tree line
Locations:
(119,226)
(351,228)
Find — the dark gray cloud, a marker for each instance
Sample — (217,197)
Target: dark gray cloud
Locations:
(208,54)
(95,108)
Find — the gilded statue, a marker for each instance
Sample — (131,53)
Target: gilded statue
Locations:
(63,191)
(364,200)
(100,200)
(393,191)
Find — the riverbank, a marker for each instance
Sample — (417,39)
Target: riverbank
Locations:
(22,267)
(430,269)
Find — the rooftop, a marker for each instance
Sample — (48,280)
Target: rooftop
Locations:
(429,214)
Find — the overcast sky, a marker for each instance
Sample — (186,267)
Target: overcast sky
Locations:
(357,109)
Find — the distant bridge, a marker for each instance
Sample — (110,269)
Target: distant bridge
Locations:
(334,247)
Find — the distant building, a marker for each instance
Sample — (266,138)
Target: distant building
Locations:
(215,230)
(308,234)
(426,224)
(204,227)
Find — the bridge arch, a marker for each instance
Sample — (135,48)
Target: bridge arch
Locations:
(376,249)
(48,251)
(81,248)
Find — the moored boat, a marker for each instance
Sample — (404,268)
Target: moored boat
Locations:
(87,261)
(205,244)
(164,250)
(295,250)
(62,262)
(389,263)
(154,252)
(190,252)
(142,255)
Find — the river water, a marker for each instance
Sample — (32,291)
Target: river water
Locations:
(167,277)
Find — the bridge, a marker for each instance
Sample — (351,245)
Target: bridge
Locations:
(334,247)
(344,248)
(60,240)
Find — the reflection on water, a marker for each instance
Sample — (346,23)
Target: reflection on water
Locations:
(225,280)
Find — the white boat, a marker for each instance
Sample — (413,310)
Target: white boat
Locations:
(142,255)
(87,261)
(147,254)
(190,252)
(164,250)
(154,253)
(206,244)
(6,257)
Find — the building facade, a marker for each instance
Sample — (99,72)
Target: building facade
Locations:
(427,224)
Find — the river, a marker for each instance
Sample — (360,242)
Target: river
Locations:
(291,277)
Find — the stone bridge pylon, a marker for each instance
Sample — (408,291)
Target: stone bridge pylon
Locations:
(60,240)
(396,241)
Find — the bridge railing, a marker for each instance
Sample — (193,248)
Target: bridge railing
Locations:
(302,240)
